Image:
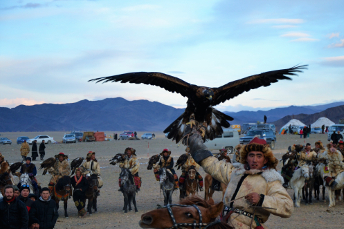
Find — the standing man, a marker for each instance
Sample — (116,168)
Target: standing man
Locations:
(61,168)
(254,188)
(24,150)
(43,213)
(92,167)
(334,137)
(31,170)
(265,119)
(34,150)
(42,150)
(13,212)
(335,164)
(24,196)
(323,129)
(133,165)
(80,185)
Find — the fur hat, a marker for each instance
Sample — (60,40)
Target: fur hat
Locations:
(78,170)
(131,149)
(341,142)
(165,150)
(90,153)
(61,154)
(321,146)
(238,147)
(257,144)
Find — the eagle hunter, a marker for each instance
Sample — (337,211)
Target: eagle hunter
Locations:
(199,110)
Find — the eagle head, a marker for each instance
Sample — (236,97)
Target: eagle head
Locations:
(208,94)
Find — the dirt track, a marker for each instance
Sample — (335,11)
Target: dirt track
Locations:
(110,203)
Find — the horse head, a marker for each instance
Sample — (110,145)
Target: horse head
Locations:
(125,176)
(192,172)
(153,160)
(186,214)
(93,182)
(25,179)
(305,171)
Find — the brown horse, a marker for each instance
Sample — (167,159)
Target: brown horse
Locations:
(62,191)
(191,212)
(5,178)
(91,193)
(208,188)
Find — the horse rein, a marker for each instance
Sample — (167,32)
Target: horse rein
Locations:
(194,225)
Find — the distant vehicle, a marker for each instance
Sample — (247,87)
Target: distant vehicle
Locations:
(125,135)
(78,135)
(316,130)
(267,126)
(20,140)
(336,128)
(5,141)
(148,136)
(247,126)
(236,127)
(40,138)
(267,134)
(69,138)
(228,140)
(88,137)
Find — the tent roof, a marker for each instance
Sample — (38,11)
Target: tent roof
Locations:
(293,122)
(322,121)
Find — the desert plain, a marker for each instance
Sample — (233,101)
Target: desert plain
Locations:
(110,202)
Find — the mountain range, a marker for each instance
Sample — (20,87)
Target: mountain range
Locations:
(140,115)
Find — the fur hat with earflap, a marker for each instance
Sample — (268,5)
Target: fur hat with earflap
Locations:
(260,145)
(165,150)
(130,149)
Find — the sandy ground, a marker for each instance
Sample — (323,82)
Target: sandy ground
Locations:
(110,203)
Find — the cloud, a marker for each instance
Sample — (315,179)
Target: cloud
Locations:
(266,99)
(295,34)
(176,72)
(283,26)
(336,61)
(337,45)
(332,35)
(140,8)
(18,101)
(25,6)
(305,39)
(277,21)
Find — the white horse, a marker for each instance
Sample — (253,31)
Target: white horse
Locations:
(298,181)
(26,180)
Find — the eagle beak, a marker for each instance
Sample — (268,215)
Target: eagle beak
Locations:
(210,97)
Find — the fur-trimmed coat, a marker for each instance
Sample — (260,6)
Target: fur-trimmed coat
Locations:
(335,162)
(24,149)
(304,156)
(60,168)
(267,182)
(95,167)
(132,164)
(4,167)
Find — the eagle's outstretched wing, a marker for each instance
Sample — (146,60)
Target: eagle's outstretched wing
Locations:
(232,89)
(169,83)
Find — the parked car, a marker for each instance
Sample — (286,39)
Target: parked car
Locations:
(336,128)
(148,136)
(40,138)
(5,141)
(316,130)
(228,140)
(267,134)
(247,126)
(69,138)
(78,135)
(20,140)
(267,126)
(88,136)
(125,135)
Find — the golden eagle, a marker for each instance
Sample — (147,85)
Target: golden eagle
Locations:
(47,164)
(76,163)
(202,99)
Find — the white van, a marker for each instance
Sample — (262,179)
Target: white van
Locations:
(229,139)
(336,128)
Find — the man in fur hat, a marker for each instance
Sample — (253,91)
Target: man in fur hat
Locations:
(319,147)
(61,168)
(254,188)
(185,168)
(92,166)
(341,148)
(306,155)
(133,165)
(31,170)
(166,161)
(236,156)
(335,164)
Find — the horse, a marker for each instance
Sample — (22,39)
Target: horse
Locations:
(152,161)
(209,188)
(166,185)
(26,180)
(309,185)
(191,212)
(128,189)
(91,193)
(318,181)
(61,192)
(297,182)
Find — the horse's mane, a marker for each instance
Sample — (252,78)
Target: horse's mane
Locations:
(63,181)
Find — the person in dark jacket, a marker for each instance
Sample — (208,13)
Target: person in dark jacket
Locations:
(13,212)
(334,137)
(42,150)
(43,213)
(80,185)
(34,150)
(24,196)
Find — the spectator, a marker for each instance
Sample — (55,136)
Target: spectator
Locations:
(13,213)
(16,191)
(24,196)
(33,197)
(322,128)
(326,130)
(265,119)
(309,129)
(334,137)
(80,185)
(305,130)
(24,150)
(43,213)
(115,136)
(42,150)
(34,150)
(301,133)
(135,134)
(289,129)
(339,136)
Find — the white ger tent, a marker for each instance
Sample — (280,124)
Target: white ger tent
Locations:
(292,122)
(322,121)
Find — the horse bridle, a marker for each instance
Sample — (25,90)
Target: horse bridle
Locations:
(194,225)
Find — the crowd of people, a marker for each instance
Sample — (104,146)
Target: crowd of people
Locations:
(25,150)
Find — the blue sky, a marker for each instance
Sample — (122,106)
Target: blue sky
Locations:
(50,49)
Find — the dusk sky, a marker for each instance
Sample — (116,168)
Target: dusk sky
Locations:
(50,49)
